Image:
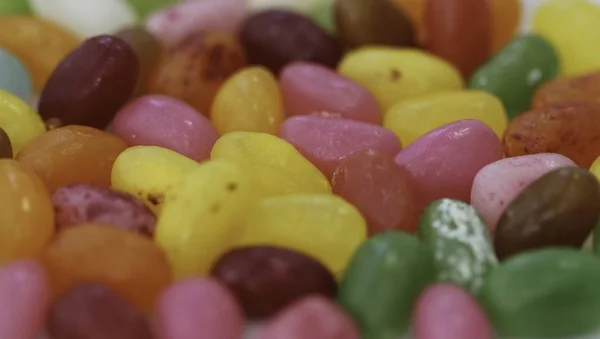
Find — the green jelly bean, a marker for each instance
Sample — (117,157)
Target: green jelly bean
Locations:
(517,71)
(549,293)
(596,239)
(460,242)
(323,15)
(383,281)
(146,7)
(14,7)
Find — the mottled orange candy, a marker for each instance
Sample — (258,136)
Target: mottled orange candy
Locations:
(506,17)
(585,88)
(72,154)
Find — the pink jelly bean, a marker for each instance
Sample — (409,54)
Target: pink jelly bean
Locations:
(23,299)
(308,88)
(498,183)
(313,317)
(445,311)
(158,120)
(199,308)
(444,161)
(326,142)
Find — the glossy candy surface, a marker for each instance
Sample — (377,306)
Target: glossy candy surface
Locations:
(14,76)
(20,122)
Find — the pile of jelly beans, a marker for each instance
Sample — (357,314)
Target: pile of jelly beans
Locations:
(299,169)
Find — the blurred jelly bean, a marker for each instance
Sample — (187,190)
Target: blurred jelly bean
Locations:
(326,142)
(14,7)
(299,6)
(549,293)
(412,118)
(323,14)
(90,85)
(569,26)
(266,279)
(585,88)
(414,9)
(72,154)
(20,122)
(198,308)
(383,191)
(274,165)
(498,183)
(308,88)
(24,296)
(441,301)
(158,120)
(444,162)
(14,77)
(567,128)
(560,208)
(505,20)
(145,7)
(149,172)
(275,38)
(595,168)
(372,22)
(323,226)
(5,145)
(394,74)
(382,283)
(312,317)
(94,311)
(460,242)
(195,70)
(249,100)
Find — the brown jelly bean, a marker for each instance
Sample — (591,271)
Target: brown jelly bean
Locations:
(5,145)
(583,88)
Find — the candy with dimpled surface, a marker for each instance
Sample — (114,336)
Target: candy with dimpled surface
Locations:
(584,88)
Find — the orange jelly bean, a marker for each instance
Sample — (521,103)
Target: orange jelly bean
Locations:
(415,10)
(506,17)
(72,154)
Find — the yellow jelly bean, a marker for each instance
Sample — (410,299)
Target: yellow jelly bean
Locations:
(199,217)
(394,74)
(595,168)
(323,226)
(20,122)
(149,172)
(411,118)
(275,166)
(249,101)
(573,27)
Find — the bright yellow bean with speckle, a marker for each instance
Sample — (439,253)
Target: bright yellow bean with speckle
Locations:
(20,122)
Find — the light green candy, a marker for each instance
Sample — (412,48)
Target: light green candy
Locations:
(14,7)
(146,7)
(323,15)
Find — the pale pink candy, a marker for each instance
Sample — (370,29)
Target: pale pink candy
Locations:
(326,142)
(445,311)
(23,299)
(199,308)
(314,318)
(444,162)
(158,120)
(498,183)
(308,88)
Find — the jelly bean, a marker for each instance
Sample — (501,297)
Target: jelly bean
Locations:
(24,296)
(198,307)
(200,216)
(460,243)
(27,220)
(459,32)
(585,88)
(94,311)
(372,22)
(14,77)
(80,204)
(19,121)
(308,88)
(275,38)
(567,128)
(130,264)
(559,209)
(72,154)
(307,223)
(394,74)
(569,24)
(266,279)
(505,19)
(149,172)
(414,9)
(26,36)
(195,70)
(145,7)
(92,83)
(14,7)
(383,192)
(549,293)
(595,168)
(274,165)
(313,317)
(323,15)
(498,183)
(444,162)
(249,100)
(517,71)
(158,120)
(5,145)
(412,118)
(383,281)
(326,142)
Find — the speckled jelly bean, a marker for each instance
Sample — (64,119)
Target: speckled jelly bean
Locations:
(584,88)
(14,76)
(20,122)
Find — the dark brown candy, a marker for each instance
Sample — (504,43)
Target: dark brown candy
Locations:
(559,209)
(5,145)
